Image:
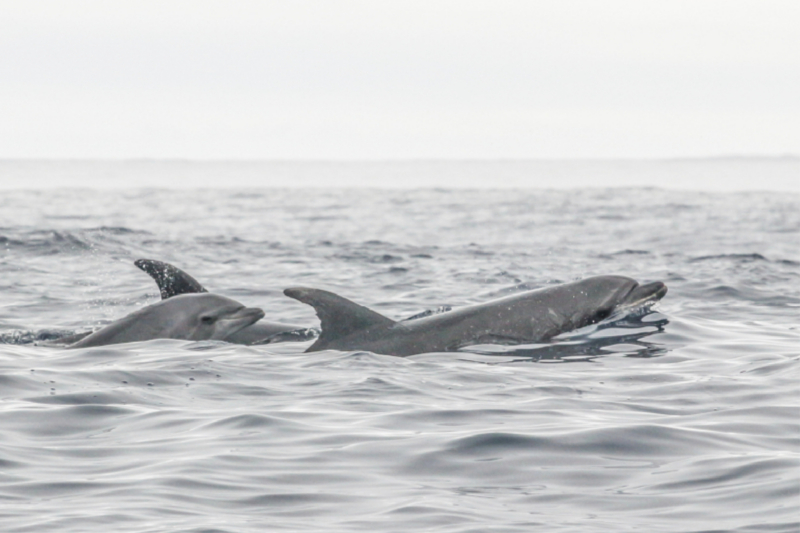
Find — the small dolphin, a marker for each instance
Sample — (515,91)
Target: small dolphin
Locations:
(195,317)
(527,317)
(173,281)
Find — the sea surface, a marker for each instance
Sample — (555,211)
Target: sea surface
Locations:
(686,419)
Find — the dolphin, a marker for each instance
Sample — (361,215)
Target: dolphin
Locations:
(202,316)
(173,281)
(527,317)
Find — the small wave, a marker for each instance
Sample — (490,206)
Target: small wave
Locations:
(50,242)
(749,294)
(118,230)
(47,242)
(642,440)
(251,422)
(632,252)
(9,243)
(745,258)
(366,257)
(32,337)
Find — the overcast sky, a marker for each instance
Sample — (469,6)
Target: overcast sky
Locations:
(398,79)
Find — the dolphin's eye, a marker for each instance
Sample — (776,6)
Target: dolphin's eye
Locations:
(207,319)
(603,314)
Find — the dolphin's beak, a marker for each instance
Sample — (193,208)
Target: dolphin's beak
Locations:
(243,318)
(649,293)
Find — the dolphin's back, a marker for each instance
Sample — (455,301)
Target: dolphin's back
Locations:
(139,325)
(532,316)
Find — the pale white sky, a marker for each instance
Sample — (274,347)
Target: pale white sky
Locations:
(347,79)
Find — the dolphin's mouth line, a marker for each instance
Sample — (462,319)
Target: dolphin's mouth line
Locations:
(245,317)
(644,295)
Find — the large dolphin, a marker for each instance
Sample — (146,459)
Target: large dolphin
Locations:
(201,316)
(173,281)
(527,317)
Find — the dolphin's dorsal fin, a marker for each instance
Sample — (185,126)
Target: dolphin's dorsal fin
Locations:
(171,280)
(338,316)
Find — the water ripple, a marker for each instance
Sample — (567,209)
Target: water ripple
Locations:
(682,420)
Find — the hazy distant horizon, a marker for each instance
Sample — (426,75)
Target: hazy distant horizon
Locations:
(720,174)
(790,156)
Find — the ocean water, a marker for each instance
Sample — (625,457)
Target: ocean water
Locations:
(686,419)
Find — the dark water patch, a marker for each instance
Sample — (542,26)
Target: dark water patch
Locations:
(193,486)
(673,276)
(71,241)
(303,500)
(632,252)
(205,530)
(5,464)
(58,489)
(245,391)
(10,243)
(674,206)
(83,398)
(65,421)
(221,241)
(118,230)
(386,258)
(54,242)
(632,441)
(479,252)
(742,258)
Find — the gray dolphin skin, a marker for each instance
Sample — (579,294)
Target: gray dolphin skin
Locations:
(201,316)
(173,281)
(527,317)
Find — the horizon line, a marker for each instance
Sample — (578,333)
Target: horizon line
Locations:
(787,156)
